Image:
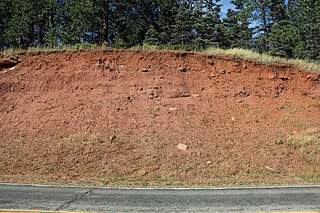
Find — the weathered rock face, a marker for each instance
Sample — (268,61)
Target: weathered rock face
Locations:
(8,62)
(105,115)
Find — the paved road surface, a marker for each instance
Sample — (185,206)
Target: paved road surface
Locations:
(159,200)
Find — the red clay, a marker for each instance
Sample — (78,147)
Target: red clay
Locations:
(109,115)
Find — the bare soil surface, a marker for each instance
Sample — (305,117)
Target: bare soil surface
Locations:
(140,118)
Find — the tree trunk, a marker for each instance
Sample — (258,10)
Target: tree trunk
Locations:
(106,8)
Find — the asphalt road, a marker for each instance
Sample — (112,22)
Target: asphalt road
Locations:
(36,197)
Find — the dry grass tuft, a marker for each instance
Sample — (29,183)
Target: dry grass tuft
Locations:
(80,46)
(243,53)
(303,64)
(308,143)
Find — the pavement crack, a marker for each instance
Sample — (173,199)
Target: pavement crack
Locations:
(79,197)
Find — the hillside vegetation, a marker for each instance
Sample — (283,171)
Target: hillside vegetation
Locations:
(237,52)
(281,28)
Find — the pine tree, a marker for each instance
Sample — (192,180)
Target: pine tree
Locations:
(20,27)
(306,16)
(262,16)
(199,26)
(51,34)
(151,37)
(105,20)
(166,20)
(101,21)
(5,14)
(287,31)
(283,39)
(75,19)
(148,13)
(214,22)
(231,29)
(278,11)
(182,30)
(207,25)
(43,14)
(128,24)
(236,25)
(267,13)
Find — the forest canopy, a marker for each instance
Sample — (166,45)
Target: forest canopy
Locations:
(277,27)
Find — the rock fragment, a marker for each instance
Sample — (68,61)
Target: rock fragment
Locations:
(7,63)
(173,109)
(182,147)
(183,69)
(145,70)
(112,138)
(244,66)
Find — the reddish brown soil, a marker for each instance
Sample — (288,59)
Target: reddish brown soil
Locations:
(105,117)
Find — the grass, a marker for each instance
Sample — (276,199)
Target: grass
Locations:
(149,47)
(243,53)
(278,141)
(308,143)
(304,64)
(238,52)
(86,139)
(80,46)
(252,179)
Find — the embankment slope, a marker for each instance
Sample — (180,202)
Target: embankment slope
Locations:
(117,117)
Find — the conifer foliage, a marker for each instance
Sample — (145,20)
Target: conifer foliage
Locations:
(282,28)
